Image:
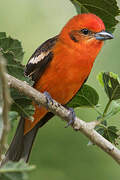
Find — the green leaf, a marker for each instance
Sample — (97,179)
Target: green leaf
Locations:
(15,68)
(22,104)
(111,84)
(107,10)
(115,108)
(15,170)
(11,46)
(86,96)
(13,115)
(13,54)
(110,133)
(2,35)
(100,78)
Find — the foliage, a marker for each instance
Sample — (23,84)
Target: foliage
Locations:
(106,10)
(13,53)
(15,171)
(86,96)
(108,132)
(111,84)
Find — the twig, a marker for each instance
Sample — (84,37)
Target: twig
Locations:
(6,104)
(86,128)
(106,108)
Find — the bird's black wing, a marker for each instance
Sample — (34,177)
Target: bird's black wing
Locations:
(40,59)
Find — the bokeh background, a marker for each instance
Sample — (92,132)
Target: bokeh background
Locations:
(61,153)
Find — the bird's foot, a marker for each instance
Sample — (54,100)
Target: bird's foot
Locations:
(71,117)
(48,98)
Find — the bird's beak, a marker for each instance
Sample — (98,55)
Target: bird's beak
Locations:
(103,35)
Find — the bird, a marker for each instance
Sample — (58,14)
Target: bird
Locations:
(60,67)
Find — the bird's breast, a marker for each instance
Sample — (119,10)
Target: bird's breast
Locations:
(65,74)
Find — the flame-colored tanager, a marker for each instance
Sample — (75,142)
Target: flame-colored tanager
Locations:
(60,67)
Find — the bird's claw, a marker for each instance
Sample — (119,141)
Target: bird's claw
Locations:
(48,98)
(71,117)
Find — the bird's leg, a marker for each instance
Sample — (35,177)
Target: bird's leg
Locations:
(48,98)
(71,117)
(71,110)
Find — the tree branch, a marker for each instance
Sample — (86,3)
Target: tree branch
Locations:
(6,104)
(86,128)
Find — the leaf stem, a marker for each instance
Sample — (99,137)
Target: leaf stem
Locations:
(106,108)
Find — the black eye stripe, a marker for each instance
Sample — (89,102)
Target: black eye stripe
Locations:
(85,31)
(73,37)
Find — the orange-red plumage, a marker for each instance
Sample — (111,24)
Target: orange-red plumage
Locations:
(71,64)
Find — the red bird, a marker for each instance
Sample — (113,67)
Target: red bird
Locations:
(59,66)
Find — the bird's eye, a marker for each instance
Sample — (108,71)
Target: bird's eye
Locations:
(85,31)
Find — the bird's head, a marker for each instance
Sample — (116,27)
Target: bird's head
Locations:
(86,30)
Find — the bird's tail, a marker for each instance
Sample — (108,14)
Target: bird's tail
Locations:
(21,144)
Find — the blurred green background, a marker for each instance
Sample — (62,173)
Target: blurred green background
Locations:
(61,153)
